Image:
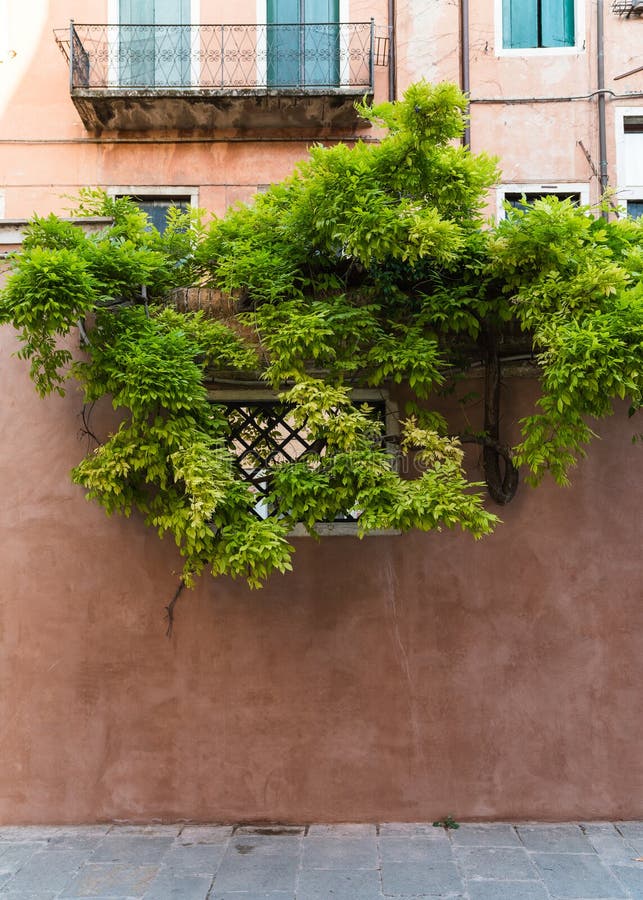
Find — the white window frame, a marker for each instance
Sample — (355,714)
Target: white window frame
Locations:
(579,36)
(625,191)
(154,191)
(561,187)
(113,19)
(391,425)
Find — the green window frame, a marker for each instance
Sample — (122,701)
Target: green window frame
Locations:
(538,24)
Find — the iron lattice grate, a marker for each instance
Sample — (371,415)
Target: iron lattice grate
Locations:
(627,7)
(263,434)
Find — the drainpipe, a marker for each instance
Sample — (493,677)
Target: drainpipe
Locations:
(602,131)
(392,55)
(465,82)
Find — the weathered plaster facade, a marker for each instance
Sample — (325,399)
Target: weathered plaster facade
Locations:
(393,678)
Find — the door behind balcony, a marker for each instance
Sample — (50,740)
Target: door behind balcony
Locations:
(303,43)
(154,43)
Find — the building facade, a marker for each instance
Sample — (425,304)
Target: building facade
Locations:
(195,101)
(394,678)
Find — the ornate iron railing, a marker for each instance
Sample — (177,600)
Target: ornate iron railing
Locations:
(310,57)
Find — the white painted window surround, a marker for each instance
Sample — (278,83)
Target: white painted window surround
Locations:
(579,28)
(629,156)
(1,204)
(560,187)
(155,191)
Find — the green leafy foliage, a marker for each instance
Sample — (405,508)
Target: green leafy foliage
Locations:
(369,268)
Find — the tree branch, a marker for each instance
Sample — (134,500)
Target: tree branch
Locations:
(169,609)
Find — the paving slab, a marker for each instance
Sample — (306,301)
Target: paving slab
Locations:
(110,880)
(577,876)
(137,849)
(352,830)
(259,864)
(179,887)
(492,835)
(147,830)
(554,838)
(21,895)
(412,830)
(204,834)
(346,884)
(609,844)
(631,878)
(416,849)
(194,859)
(427,879)
(502,863)
(507,890)
(340,852)
(15,855)
(46,870)
(253,895)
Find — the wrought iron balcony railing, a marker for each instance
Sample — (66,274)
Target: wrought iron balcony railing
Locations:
(298,58)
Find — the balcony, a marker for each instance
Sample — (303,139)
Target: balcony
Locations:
(220,77)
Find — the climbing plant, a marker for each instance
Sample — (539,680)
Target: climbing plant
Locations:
(370,267)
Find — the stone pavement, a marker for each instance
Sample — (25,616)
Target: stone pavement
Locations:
(342,862)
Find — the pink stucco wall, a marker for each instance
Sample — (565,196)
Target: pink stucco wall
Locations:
(392,678)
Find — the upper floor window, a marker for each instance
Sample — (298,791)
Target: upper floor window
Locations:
(519,196)
(155,201)
(537,24)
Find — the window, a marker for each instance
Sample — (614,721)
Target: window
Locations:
(521,201)
(263,434)
(303,43)
(155,201)
(538,24)
(519,194)
(629,159)
(154,43)
(156,208)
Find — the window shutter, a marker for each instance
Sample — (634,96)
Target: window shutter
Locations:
(558,23)
(136,12)
(520,23)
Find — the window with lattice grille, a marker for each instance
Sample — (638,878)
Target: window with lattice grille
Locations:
(263,434)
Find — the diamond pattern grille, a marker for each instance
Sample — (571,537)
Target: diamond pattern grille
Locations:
(263,434)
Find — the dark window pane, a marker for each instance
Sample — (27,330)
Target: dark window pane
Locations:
(635,208)
(520,201)
(156,208)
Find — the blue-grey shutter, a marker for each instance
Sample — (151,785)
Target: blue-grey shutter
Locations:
(154,56)
(136,43)
(557,23)
(321,42)
(172,44)
(519,23)
(283,43)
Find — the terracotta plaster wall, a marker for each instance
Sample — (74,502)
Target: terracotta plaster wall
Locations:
(394,678)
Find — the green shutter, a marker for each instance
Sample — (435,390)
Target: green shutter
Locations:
(558,23)
(519,23)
